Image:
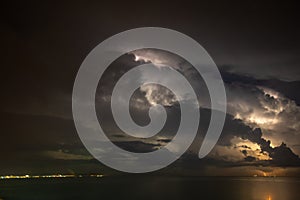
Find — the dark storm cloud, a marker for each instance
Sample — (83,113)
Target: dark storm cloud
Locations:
(281,155)
(287,88)
(44,43)
(244,152)
(138,146)
(232,129)
(266,66)
(250,159)
(248,98)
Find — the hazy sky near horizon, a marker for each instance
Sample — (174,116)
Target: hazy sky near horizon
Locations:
(255,46)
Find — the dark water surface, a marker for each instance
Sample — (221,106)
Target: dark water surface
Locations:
(152,188)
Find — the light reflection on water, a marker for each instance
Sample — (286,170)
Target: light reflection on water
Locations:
(271,188)
(152,187)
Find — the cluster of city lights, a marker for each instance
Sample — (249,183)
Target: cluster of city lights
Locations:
(49,176)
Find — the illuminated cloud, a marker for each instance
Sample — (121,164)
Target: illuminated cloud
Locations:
(261,107)
(156,94)
(158,58)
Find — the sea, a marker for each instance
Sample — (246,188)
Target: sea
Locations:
(151,187)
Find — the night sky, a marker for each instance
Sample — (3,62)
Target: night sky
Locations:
(255,46)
